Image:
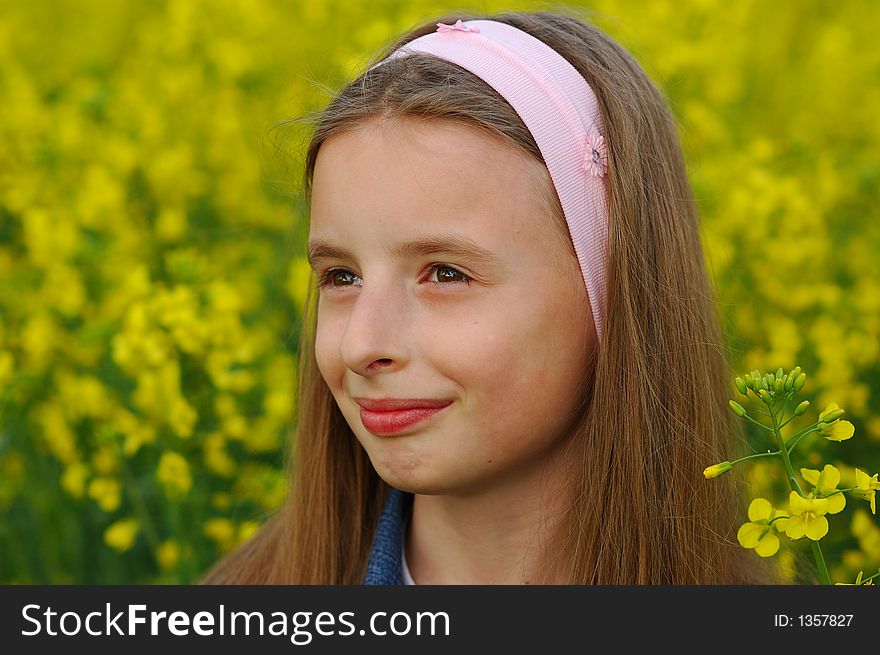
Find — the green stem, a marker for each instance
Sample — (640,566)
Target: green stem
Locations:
(784,408)
(800,435)
(839,491)
(788,398)
(864,580)
(758,423)
(767,454)
(792,481)
(820,562)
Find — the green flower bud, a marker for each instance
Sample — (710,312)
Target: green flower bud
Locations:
(779,373)
(765,396)
(800,381)
(789,381)
(800,409)
(741,386)
(797,371)
(771,379)
(833,415)
(777,386)
(717,469)
(738,409)
(764,384)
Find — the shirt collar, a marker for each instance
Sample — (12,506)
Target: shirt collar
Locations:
(384,566)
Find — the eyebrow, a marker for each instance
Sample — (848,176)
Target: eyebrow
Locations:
(457,246)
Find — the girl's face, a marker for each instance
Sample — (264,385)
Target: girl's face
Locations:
(502,333)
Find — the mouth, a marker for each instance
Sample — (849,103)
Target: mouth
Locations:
(390,416)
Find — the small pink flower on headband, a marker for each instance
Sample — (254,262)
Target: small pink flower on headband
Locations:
(595,155)
(459,27)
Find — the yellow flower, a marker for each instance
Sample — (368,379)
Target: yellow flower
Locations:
(58,433)
(173,473)
(170,224)
(106,492)
(121,535)
(824,484)
(220,530)
(717,469)
(168,554)
(807,517)
(216,456)
(760,532)
(829,409)
(247,530)
(837,430)
(136,432)
(868,487)
(73,480)
(182,417)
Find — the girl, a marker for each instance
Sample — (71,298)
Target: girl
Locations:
(513,372)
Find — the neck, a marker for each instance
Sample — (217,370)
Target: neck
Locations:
(500,534)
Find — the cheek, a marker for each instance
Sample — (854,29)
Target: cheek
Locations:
(522,380)
(327,352)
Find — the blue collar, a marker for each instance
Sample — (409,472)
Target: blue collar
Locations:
(384,567)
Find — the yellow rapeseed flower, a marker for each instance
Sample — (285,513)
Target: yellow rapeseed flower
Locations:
(837,430)
(120,535)
(73,480)
(107,492)
(173,474)
(807,517)
(221,530)
(717,469)
(58,433)
(867,488)
(168,554)
(825,483)
(760,532)
(137,432)
(216,456)
(171,224)
(182,417)
(247,529)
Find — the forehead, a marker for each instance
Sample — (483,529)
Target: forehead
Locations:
(400,171)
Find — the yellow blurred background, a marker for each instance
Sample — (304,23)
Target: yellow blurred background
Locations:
(152,271)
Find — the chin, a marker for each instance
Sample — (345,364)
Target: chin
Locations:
(407,464)
(425,481)
(411,476)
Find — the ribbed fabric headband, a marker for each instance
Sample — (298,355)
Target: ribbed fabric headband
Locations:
(560,110)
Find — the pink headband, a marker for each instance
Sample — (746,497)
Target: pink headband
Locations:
(560,110)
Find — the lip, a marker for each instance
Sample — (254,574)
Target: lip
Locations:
(391,404)
(386,416)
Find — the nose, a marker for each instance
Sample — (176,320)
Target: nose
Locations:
(375,334)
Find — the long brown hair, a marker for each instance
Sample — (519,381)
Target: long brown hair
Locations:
(654,410)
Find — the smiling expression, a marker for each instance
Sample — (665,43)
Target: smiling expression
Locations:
(444,277)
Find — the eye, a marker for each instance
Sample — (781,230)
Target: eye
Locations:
(445,275)
(446,278)
(327,279)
